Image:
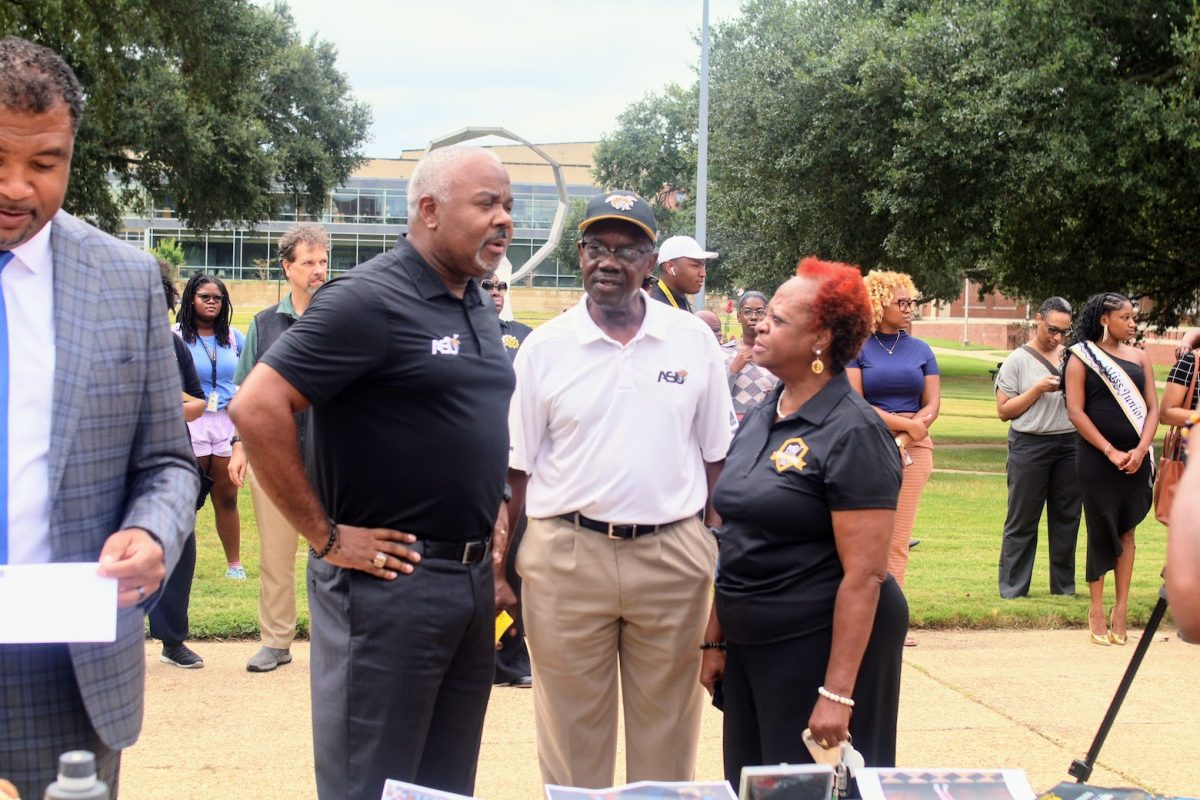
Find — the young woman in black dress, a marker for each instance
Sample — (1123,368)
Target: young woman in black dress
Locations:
(1113,404)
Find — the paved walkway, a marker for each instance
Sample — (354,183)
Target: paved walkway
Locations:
(1028,699)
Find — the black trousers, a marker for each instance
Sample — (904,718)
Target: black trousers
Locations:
(770,690)
(169,617)
(512,659)
(42,716)
(401,674)
(1041,473)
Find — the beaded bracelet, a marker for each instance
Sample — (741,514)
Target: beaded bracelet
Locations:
(837,698)
(329,545)
(713,646)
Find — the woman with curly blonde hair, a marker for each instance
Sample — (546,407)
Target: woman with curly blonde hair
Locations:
(898,375)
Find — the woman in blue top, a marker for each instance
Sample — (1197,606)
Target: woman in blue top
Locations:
(898,375)
(204,315)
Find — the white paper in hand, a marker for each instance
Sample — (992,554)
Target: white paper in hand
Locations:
(56,603)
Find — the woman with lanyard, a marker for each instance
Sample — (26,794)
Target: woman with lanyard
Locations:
(1113,404)
(898,375)
(1041,457)
(748,382)
(807,628)
(204,316)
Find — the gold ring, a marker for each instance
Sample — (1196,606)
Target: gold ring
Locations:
(380,560)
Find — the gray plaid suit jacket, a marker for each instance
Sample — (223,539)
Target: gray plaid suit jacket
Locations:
(119,457)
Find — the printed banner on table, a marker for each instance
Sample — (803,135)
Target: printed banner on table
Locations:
(646,790)
(944,784)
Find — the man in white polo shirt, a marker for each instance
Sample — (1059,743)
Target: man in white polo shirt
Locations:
(619,425)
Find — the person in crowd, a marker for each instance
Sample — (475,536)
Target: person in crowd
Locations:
(1172,411)
(1041,457)
(807,626)
(1113,405)
(712,321)
(1189,341)
(1183,550)
(512,655)
(169,617)
(96,467)
(401,361)
(620,422)
(683,267)
(204,324)
(749,382)
(898,374)
(304,258)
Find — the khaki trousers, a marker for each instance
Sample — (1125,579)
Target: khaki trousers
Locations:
(596,608)
(277,541)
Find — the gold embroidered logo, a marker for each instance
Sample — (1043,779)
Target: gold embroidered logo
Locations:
(621,202)
(510,341)
(790,455)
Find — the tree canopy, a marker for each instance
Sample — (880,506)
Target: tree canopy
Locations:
(1039,146)
(218,107)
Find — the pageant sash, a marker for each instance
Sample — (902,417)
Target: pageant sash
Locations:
(1123,389)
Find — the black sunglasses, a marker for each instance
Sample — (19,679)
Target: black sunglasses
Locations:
(488,286)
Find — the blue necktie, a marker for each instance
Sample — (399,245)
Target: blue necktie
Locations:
(5,257)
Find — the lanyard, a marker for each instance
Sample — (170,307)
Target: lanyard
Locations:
(212,356)
(667,292)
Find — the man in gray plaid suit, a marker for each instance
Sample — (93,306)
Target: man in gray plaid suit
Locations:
(96,464)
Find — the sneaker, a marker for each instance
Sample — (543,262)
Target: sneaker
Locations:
(180,655)
(268,658)
(523,682)
(236,572)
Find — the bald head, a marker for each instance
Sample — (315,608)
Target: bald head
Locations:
(711,320)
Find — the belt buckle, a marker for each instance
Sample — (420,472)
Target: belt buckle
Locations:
(469,550)
(610,531)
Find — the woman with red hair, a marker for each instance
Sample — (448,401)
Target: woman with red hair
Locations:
(807,627)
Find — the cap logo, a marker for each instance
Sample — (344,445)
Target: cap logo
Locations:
(621,202)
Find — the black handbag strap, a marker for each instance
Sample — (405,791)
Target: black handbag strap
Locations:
(1042,360)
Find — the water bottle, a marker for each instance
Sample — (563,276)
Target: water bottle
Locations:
(77,779)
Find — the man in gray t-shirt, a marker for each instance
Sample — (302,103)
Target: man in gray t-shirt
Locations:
(1041,457)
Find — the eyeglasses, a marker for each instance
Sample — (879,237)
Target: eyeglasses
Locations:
(905,305)
(629,256)
(754,313)
(488,286)
(207,299)
(1053,331)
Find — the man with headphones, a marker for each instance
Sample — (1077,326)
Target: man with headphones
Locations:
(683,263)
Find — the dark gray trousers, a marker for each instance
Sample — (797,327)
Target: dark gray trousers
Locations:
(42,716)
(1041,472)
(401,675)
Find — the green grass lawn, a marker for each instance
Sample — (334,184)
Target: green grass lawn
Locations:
(951,578)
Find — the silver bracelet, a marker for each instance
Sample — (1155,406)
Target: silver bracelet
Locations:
(837,698)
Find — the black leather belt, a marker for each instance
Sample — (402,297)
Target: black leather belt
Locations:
(462,552)
(614,531)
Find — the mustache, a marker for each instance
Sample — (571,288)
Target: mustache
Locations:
(499,236)
(18,209)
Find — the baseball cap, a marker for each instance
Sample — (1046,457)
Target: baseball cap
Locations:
(625,206)
(682,247)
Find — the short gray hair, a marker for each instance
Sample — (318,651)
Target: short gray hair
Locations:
(309,233)
(431,177)
(34,79)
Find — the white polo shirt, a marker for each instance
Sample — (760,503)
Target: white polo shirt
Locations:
(618,432)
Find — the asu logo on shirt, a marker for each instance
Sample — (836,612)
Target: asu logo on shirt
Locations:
(670,376)
(446,346)
(790,455)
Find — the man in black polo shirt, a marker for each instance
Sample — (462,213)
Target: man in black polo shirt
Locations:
(402,363)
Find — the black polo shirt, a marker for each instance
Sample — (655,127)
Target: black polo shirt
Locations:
(659,291)
(779,571)
(410,388)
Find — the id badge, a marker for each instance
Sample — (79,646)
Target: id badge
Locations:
(213,398)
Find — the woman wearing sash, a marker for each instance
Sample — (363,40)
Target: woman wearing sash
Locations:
(1112,402)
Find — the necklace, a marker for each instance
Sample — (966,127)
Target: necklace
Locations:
(779,406)
(895,344)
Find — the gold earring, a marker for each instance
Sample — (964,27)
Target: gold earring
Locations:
(1104,332)
(818,366)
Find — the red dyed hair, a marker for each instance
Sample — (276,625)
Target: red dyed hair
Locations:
(841,306)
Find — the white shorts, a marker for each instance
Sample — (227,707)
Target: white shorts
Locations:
(211,434)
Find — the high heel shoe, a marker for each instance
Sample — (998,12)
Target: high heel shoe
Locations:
(1118,639)
(1100,640)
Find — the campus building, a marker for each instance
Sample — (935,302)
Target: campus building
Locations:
(365,216)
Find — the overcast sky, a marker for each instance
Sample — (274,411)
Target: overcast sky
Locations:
(548,70)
